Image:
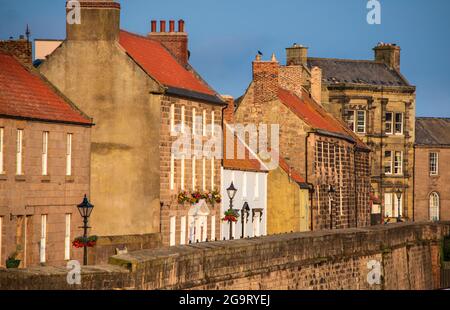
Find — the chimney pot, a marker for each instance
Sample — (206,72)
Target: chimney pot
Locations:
(154,26)
(172,26)
(181,25)
(162,26)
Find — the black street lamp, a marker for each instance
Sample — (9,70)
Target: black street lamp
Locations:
(231,191)
(244,217)
(85,209)
(399,193)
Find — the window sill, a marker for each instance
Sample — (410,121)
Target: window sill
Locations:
(21,178)
(46,179)
(3,177)
(70,179)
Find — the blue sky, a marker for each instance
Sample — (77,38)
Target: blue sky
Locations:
(225,35)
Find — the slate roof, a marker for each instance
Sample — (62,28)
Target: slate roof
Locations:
(24,93)
(362,72)
(317,117)
(160,64)
(432,131)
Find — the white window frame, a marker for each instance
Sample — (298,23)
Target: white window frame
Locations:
(213,228)
(172,172)
(391,166)
(434,167)
(183,112)
(204,122)
(357,125)
(173,230)
(172,118)
(183,164)
(401,123)
(19,153)
(194,175)
(256,197)
(398,166)
(391,122)
(45,135)
(43,240)
(183,230)
(351,121)
(212,173)
(67,241)
(434,205)
(388,205)
(69,145)
(204,173)
(2,160)
(244,185)
(212,123)
(194,123)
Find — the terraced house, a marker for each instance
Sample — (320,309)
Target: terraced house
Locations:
(142,93)
(320,148)
(378,104)
(44,163)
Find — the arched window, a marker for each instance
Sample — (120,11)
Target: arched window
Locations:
(434,207)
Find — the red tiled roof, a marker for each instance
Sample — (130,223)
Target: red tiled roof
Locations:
(26,94)
(246,164)
(291,172)
(315,115)
(160,64)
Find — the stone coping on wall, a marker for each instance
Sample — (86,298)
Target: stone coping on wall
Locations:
(201,264)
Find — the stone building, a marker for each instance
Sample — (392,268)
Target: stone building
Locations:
(279,195)
(378,104)
(141,92)
(44,164)
(318,146)
(432,153)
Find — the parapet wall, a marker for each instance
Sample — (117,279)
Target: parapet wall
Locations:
(408,256)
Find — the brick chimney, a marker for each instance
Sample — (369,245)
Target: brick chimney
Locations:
(296,55)
(99,20)
(265,79)
(21,48)
(389,54)
(228,113)
(175,41)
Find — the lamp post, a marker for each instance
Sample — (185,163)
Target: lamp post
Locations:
(398,193)
(85,209)
(244,216)
(231,191)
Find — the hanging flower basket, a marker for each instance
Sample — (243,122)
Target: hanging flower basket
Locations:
(231,216)
(183,197)
(82,242)
(196,196)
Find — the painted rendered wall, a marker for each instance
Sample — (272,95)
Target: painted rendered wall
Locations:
(254,193)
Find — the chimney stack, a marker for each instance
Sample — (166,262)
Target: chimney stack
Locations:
(265,79)
(175,41)
(228,113)
(99,21)
(388,54)
(20,48)
(316,84)
(296,55)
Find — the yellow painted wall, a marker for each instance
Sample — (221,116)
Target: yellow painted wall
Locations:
(287,204)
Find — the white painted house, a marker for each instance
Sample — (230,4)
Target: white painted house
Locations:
(249,177)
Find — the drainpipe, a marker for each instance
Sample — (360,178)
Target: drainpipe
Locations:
(355,180)
(306,180)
